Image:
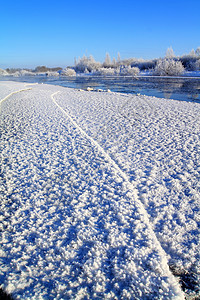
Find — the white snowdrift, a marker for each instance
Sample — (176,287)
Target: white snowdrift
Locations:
(99,194)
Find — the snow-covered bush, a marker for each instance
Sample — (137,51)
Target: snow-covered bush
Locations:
(87,64)
(197,52)
(68,72)
(52,74)
(188,61)
(41,69)
(44,69)
(144,64)
(107,71)
(26,73)
(3,72)
(139,63)
(15,74)
(168,67)
(131,71)
(196,65)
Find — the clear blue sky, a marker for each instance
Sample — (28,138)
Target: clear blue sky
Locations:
(52,33)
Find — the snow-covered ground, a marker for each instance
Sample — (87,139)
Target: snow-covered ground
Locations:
(99,194)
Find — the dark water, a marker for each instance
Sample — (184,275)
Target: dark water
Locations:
(185,89)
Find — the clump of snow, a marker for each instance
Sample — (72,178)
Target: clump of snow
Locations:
(89,89)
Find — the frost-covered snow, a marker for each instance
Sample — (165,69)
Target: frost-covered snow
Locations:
(100,194)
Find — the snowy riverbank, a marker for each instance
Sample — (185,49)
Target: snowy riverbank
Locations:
(100,194)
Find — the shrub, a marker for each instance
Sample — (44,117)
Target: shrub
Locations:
(3,72)
(196,65)
(87,64)
(52,74)
(41,69)
(132,71)
(68,72)
(107,71)
(168,67)
(12,70)
(144,65)
(188,62)
(44,69)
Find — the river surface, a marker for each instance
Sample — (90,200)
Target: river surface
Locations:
(185,89)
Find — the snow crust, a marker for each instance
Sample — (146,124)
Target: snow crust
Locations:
(99,194)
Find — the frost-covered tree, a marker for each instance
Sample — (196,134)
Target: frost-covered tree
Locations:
(118,57)
(168,67)
(41,69)
(170,53)
(68,72)
(87,64)
(114,62)
(107,62)
(3,72)
(196,65)
(192,53)
(108,71)
(197,52)
(131,71)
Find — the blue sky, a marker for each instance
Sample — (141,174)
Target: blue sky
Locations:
(53,33)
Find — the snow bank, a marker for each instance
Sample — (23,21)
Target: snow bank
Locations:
(99,194)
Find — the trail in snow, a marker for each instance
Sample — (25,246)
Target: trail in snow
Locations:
(72,227)
(156,142)
(95,143)
(118,171)
(13,93)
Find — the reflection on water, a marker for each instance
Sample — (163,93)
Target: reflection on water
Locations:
(186,89)
(168,89)
(167,95)
(194,96)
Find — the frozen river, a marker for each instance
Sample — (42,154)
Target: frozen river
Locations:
(186,89)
